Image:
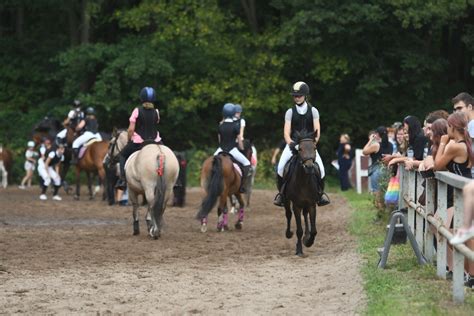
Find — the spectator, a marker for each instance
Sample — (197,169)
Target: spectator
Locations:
(344,159)
(466,232)
(465,102)
(377,146)
(30,163)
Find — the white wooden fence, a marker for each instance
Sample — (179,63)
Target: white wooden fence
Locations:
(419,217)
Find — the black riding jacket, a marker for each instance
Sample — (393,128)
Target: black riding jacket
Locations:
(301,122)
(92,125)
(228,132)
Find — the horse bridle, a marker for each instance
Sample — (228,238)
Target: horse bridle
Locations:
(113,144)
(304,160)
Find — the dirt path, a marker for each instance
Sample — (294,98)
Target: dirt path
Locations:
(80,258)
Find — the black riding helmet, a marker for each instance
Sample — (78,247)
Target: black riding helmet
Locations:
(300,88)
(148,94)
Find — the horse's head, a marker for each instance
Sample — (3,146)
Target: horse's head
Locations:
(307,150)
(247,151)
(117,143)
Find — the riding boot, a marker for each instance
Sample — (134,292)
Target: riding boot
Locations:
(279,198)
(75,156)
(243,182)
(122,182)
(323,198)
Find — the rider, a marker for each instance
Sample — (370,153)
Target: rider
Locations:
(302,116)
(228,132)
(89,127)
(73,118)
(238,119)
(141,130)
(49,170)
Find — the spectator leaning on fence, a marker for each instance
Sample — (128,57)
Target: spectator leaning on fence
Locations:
(466,232)
(464,102)
(377,146)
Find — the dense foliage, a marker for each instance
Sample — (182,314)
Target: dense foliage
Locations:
(367,62)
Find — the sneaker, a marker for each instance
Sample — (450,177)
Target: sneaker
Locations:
(57,198)
(462,236)
(21,187)
(43,197)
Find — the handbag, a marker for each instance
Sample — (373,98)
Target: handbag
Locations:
(393,190)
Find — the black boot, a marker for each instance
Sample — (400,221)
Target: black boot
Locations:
(243,182)
(74,156)
(323,198)
(279,200)
(122,182)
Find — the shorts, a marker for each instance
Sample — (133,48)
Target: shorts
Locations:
(29,165)
(375,177)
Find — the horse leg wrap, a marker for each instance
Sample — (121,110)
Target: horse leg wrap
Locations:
(241,214)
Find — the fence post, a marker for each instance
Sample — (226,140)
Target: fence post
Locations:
(458,258)
(441,241)
(430,209)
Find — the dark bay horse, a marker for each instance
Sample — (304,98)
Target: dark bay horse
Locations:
(6,161)
(220,181)
(91,163)
(152,172)
(301,191)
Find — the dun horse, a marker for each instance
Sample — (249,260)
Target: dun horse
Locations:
(301,191)
(5,165)
(152,172)
(220,181)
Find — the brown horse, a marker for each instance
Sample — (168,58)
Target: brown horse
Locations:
(6,159)
(220,181)
(91,162)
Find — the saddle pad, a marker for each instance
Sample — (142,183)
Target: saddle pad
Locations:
(82,151)
(237,168)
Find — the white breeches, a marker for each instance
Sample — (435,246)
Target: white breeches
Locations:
(84,138)
(286,155)
(237,156)
(48,175)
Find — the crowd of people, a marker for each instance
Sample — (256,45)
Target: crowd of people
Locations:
(443,143)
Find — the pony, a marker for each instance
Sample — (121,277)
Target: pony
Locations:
(152,172)
(220,180)
(301,191)
(6,160)
(91,162)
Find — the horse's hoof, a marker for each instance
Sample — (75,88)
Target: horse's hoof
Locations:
(289,234)
(91,198)
(300,254)
(136,232)
(238,225)
(203,228)
(233,210)
(76,197)
(225,228)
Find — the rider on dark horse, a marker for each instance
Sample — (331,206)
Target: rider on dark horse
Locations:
(73,118)
(141,130)
(87,128)
(302,116)
(229,131)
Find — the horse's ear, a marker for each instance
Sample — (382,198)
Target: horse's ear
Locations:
(114,131)
(297,136)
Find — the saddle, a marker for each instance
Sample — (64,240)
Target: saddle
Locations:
(237,165)
(83,148)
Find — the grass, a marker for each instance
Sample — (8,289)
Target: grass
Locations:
(404,287)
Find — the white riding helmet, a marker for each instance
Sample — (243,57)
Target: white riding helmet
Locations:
(31,143)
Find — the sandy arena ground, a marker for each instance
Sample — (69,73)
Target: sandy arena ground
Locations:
(79,257)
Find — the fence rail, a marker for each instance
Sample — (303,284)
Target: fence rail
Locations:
(419,218)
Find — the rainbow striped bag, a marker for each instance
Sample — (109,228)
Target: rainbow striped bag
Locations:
(393,189)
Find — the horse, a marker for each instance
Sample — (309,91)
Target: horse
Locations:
(220,180)
(301,191)
(6,160)
(152,172)
(250,153)
(91,162)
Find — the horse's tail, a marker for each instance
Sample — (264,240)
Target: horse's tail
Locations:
(214,189)
(160,192)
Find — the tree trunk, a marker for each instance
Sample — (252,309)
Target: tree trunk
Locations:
(85,23)
(251,14)
(20,22)
(73,23)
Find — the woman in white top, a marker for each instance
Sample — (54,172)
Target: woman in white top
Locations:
(30,163)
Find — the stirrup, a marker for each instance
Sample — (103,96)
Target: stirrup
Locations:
(324,200)
(278,201)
